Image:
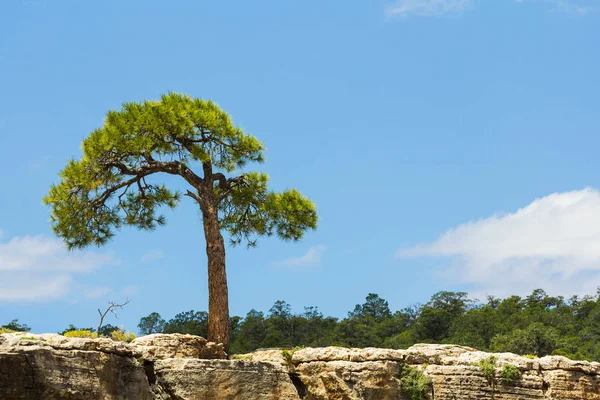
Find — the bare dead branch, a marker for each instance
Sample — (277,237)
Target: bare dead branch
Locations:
(111,308)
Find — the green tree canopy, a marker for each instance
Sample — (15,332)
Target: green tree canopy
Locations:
(109,188)
(152,323)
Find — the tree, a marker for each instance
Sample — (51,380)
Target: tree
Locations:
(112,185)
(14,325)
(190,322)
(476,328)
(280,327)
(153,323)
(253,331)
(112,306)
(536,339)
(433,324)
(108,329)
(374,307)
(453,302)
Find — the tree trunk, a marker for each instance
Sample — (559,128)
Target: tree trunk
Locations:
(218,297)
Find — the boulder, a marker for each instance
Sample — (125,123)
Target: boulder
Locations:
(161,346)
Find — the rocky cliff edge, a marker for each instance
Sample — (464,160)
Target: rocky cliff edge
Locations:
(186,367)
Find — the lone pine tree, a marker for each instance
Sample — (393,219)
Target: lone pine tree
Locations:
(109,187)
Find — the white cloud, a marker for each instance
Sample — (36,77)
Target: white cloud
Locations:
(576,7)
(428,8)
(96,292)
(151,256)
(436,8)
(571,6)
(552,243)
(33,287)
(48,254)
(41,268)
(311,258)
(130,290)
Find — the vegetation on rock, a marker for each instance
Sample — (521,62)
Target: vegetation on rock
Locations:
(122,336)
(414,385)
(509,374)
(81,333)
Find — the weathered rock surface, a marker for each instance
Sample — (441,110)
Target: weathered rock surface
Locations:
(185,367)
(194,379)
(373,374)
(156,367)
(54,367)
(176,345)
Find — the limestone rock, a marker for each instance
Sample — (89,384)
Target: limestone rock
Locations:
(340,373)
(268,355)
(186,367)
(345,354)
(176,345)
(44,367)
(194,379)
(368,380)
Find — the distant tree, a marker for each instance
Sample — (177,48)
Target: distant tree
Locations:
(374,307)
(536,339)
(72,327)
(113,185)
(234,326)
(455,303)
(312,329)
(190,322)
(433,324)
(493,302)
(153,323)
(476,328)
(511,315)
(14,325)
(401,341)
(108,329)
(357,332)
(253,331)
(280,328)
(536,299)
(397,323)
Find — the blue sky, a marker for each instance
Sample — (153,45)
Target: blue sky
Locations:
(424,130)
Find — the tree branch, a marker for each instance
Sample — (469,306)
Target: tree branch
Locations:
(111,308)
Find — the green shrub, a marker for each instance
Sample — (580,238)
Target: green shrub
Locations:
(488,368)
(287,356)
(122,336)
(6,330)
(509,374)
(81,333)
(530,356)
(414,385)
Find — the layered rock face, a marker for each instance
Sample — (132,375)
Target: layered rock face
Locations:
(154,367)
(185,367)
(454,372)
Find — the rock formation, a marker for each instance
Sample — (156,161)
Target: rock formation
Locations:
(185,367)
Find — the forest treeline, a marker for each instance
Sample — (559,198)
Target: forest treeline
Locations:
(534,325)
(537,325)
